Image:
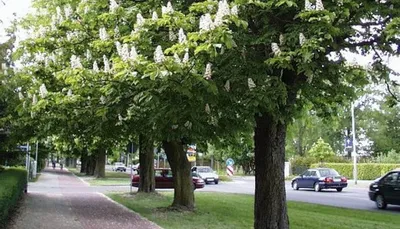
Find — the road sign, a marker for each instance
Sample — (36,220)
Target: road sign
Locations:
(349,142)
(229,170)
(230,162)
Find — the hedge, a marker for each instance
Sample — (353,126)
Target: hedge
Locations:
(365,171)
(13,183)
(300,164)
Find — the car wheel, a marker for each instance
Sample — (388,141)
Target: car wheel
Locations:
(380,202)
(339,189)
(216,181)
(317,188)
(295,185)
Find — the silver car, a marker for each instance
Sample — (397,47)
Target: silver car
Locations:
(206,173)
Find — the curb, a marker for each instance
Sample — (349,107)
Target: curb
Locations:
(83,181)
(130,210)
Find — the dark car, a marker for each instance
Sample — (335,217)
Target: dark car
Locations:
(386,190)
(164,179)
(320,178)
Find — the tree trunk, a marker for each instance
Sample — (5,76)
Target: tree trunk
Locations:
(91,165)
(146,161)
(84,163)
(180,166)
(270,210)
(100,168)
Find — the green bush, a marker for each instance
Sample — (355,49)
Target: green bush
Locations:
(13,182)
(365,171)
(301,164)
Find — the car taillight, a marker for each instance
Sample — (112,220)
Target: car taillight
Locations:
(343,179)
(328,179)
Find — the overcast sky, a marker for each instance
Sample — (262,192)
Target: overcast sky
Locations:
(20,7)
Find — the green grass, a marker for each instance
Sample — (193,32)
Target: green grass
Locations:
(219,210)
(112,178)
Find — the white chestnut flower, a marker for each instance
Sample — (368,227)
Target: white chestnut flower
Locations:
(106,64)
(95,67)
(159,55)
(186,57)
(275,49)
(168,9)
(302,39)
(34,99)
(133,54)
(139,20)
(177,59)
(208,72)
(103,34)
(207,109)
(43,91)
(181,36)
(234,10)
(319,5)
(308,6)
(69,93)
(154,16)
(113,6)
(250,83)
(206,23)
(227,86)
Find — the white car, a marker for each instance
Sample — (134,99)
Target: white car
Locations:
(119,166)
(206,173)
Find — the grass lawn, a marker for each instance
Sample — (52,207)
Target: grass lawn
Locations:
(219,210)
(112,178)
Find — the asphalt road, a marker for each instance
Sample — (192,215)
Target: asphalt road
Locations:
(351,197)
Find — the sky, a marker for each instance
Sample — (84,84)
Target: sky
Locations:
(20,7)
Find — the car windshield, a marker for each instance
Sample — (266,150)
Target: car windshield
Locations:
(328,172)
(204,170)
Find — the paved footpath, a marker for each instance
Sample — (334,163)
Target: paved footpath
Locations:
(61,200)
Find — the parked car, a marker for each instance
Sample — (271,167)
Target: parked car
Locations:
(164,179)
(119,166)
(320,178)
(386,190)
(206,173)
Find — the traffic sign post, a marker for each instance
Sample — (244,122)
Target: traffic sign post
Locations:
(229,167)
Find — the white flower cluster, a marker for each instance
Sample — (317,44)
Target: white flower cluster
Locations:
(250,83)
(275,49)
(227,86)
(67,10)
(40,57)
(102,99)
(154,16)
(206,23)
(116,32)
(139,20)
(76,62)
(281,39)
(185,58)
(43,91)
(95,67)
(207,109)
(171,35)
(59,17)
(168,9)
(20,96)
(223,10)
(177,59)
(34,99)
(208,72)
(107,68)
(125,52)
(72,35)
(69,93)
(318,5)
(159,55)
(181,36)
(113,6)
(302,39)
(41,32)
(103,34)
(308,5)
(88,54)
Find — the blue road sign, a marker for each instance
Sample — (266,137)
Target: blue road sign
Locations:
(230,162)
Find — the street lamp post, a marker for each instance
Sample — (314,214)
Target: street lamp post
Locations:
(353,122)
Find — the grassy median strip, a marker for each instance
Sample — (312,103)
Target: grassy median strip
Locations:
(219,210)
(112,178)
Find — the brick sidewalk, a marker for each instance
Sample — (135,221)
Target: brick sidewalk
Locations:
(60,200)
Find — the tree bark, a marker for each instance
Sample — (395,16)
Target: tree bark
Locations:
(84,163)
(146,160)
(100,167)
(181,171)
(270,210)
(91,165)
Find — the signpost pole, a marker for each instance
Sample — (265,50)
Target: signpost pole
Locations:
(353,122)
